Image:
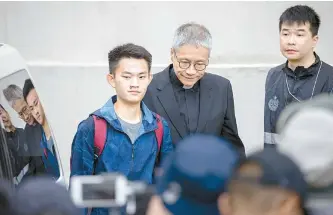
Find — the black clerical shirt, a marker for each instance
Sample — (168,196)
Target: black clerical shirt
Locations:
(188,101)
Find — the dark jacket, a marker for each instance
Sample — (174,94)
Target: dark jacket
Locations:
(284,86)
(19,153)
(217,112)
(33,136)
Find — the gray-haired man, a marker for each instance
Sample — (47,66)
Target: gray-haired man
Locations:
(191,100)
(32,130)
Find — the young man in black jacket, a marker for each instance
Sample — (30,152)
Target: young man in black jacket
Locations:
(303,76)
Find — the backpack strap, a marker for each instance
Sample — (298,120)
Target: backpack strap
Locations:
(159,133)
(99,142)
(99,138)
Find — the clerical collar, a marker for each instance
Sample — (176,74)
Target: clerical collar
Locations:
(176,82)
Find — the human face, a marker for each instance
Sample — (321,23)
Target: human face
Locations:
(297,41)
(36,107)
(130,80)
(21,107)
(6,119)
(189,63)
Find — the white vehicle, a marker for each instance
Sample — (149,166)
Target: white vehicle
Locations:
(28,146)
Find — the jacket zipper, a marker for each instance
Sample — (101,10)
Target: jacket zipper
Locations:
(134,142)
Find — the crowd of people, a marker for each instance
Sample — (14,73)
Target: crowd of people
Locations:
(177,130)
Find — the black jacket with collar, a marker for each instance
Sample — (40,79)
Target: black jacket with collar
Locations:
(284,86)
(217,112)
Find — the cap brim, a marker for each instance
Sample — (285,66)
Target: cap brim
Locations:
(187,206)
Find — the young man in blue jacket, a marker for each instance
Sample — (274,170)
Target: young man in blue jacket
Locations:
(49,156)
(134,137)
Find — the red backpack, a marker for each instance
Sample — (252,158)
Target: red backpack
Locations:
(101,132)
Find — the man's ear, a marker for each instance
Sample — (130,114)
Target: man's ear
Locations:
(223,204)
(315,41)
(111,79)
(150,77)
(171,54)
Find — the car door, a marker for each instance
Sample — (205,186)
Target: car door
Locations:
(30,148)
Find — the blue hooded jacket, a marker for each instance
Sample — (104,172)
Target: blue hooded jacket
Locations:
(135,161)
(49,159)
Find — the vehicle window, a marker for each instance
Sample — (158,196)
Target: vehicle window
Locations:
(26,136)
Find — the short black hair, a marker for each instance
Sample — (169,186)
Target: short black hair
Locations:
(128,50)
(28,86)
(301,14)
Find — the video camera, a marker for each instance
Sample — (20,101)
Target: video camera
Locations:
(111,190)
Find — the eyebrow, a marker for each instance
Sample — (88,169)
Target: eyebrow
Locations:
(196,61)
(130,73)
(287,29)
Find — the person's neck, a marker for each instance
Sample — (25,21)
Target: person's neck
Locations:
(306,62)
(46,129)
(130,113)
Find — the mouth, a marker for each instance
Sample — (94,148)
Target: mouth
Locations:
(193,78)
(134,92)
(291,51)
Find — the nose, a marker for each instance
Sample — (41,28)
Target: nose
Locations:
(35,111)
(291,39)
(26,116)
(134,82)
(191,70)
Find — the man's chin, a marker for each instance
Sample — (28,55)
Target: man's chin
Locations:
(31,122)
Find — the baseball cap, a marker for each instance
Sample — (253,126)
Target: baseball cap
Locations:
(277,170)
(306,135)
(41,195)
(196,174)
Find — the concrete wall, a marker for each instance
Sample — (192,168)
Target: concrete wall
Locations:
(66,46)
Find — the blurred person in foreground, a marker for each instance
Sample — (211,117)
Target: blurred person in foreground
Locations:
(266,183)
(42,196)
(194,177)
(306,135)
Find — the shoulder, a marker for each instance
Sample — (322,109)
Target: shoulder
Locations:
(216,82)
(276,69)
(159,79)
(86,126)
(213,78)
(274,72)
(327,68)
(159,118)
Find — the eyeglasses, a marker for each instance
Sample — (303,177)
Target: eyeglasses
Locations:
(24,111)
(185,64)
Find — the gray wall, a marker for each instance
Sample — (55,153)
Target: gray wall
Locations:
(66,46)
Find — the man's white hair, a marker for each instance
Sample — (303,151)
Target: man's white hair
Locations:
(13,93)
(192,34)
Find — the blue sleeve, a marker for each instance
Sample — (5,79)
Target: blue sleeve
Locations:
(82,156)
(167,145)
